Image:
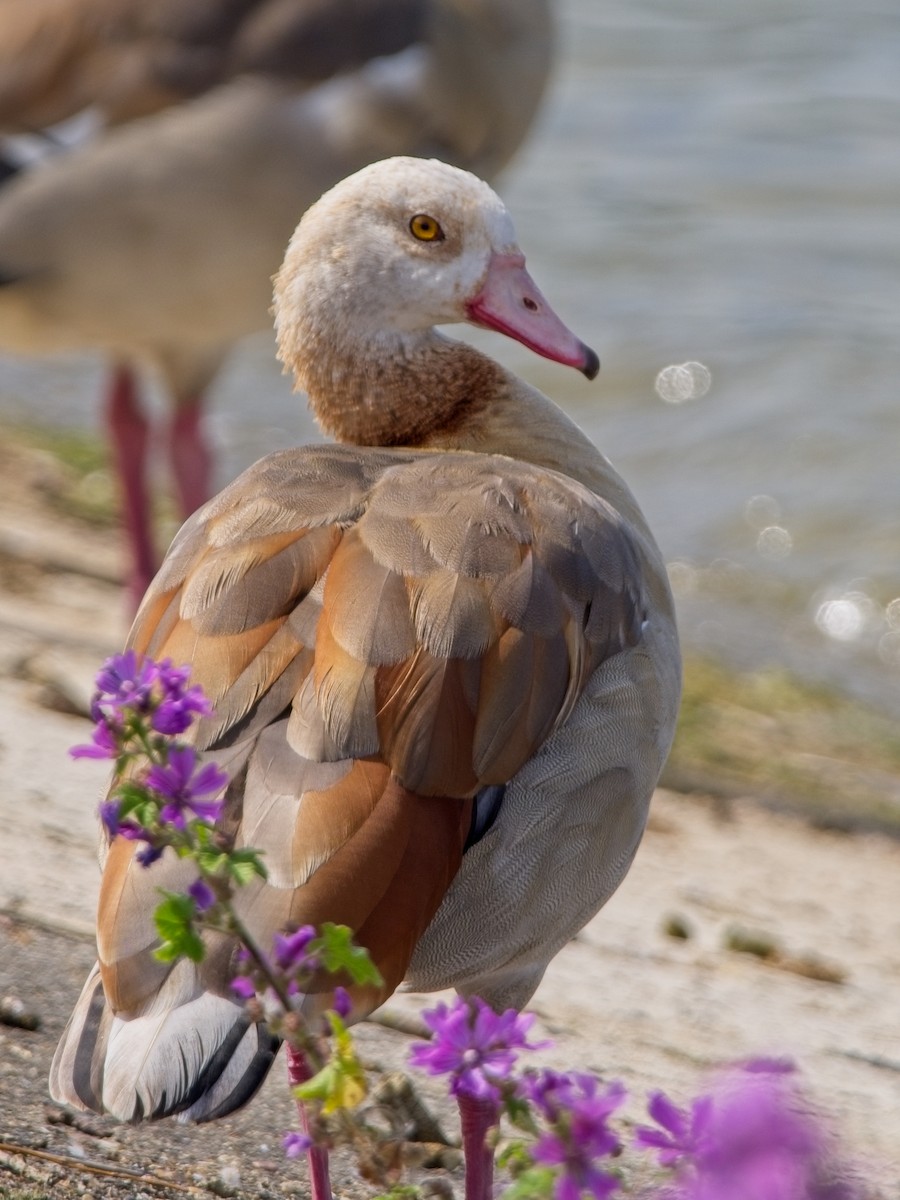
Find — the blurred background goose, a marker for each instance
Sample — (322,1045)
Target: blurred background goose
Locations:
(442,656)
(155,243)
(126,60)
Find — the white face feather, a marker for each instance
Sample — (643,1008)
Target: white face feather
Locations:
(353,261)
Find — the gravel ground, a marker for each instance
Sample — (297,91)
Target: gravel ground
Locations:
(47,1152)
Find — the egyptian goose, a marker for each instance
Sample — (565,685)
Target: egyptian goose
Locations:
(155,244)
(442,654)
(127,59)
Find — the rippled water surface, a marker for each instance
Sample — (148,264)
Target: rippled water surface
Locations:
(715,184)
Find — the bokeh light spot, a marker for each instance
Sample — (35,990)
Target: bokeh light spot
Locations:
(774,542)
(677,384)
(840,619)
(683,577)
(845,617)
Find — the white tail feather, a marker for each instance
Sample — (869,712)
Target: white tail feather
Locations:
(190,1051)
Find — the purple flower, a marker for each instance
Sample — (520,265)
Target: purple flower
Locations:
(291,957)
(474,1045)
(123,682)
(751,1138)
(118,826)
(296,1144)
(148,854)
(104,743)
(179,704)
(202,895)
(109,816)
(578,1112)
(681,1134)
(290,948)
(129,687)
(244,986)
(182,786)
(342,1003)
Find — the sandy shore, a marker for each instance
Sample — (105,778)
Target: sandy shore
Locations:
(820,910)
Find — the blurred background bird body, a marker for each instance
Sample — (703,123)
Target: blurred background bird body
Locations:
(155,242)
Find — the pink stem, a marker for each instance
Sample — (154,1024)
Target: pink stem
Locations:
(317,1157)
(476,1118)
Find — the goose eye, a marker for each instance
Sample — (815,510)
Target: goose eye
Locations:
(426,228)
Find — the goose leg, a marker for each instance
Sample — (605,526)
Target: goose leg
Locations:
(317,1157)
(190,456)
(129,436)
(476,1118)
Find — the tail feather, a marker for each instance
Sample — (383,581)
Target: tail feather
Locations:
(76,1074)
(150,1039)
(202,1058)
(240,1072)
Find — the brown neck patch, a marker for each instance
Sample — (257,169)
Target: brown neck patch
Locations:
(403,399)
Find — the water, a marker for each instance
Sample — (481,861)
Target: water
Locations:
(715,183)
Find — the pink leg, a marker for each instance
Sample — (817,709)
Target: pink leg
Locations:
(190,456)
(476,1118)
(298,1072)
(129,436)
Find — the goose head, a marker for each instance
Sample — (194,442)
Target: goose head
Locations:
(389,253)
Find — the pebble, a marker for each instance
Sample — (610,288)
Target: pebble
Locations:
(13,1012)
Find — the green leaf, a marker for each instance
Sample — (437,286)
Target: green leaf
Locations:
(515,1158)
(204,834)
(338,952)
(520,1113)
(132,796)
(174,920)
(535,1183)
(211,862)
(341,1083)
(243,865)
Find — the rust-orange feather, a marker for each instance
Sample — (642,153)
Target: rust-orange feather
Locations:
(435,657)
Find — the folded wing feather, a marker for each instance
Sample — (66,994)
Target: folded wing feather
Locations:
(384,634)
